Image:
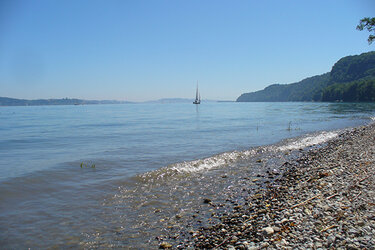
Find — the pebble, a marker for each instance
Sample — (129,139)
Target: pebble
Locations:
(318,244)
(283,242)
(268,230)
(361,223)
(284,220)
(253,248)
(331,239)
(264,245)
(165,245)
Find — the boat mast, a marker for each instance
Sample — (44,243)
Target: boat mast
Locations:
(196,94)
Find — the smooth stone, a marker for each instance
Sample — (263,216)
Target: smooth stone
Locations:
(331,239)
(264,245)
(283,242)
(268,230)
(361,223)
(252,248)
(318,245)
(352,231)
(284,220)
(234,239)
(165,245)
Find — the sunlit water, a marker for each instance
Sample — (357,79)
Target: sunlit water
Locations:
(117,175)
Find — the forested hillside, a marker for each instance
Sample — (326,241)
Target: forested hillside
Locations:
(356,91)
(352,79)
(308,89)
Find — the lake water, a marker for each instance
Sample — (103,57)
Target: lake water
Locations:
(106,176)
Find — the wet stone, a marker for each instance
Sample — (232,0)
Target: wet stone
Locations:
(207,200)
(165,245)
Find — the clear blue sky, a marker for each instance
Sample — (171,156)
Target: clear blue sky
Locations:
(146,50)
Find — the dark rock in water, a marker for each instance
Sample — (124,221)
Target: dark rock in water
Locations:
(207,200)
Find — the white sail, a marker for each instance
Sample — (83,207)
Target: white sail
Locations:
(197,96)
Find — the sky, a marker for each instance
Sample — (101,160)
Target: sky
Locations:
(146,50)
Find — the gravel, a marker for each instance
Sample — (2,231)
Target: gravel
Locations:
(324,199)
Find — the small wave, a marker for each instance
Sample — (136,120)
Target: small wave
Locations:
(212,162)
(309,141)
(228,158)
(195,166)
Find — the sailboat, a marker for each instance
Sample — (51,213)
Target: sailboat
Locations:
(197,97)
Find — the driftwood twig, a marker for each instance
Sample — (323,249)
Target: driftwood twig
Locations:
(356,196)
(330,197)
(363,179)
(327,228)
(249,219)
(304,202)
(223,242)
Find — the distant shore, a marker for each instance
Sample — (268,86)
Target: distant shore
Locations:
(324,199)
(6,101)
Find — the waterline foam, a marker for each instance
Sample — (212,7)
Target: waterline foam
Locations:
(228,158)
(309,141)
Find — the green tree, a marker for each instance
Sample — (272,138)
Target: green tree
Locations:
(369,24)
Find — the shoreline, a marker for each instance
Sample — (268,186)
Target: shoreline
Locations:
(323,199)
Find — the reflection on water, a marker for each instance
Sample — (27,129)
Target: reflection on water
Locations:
(362,109)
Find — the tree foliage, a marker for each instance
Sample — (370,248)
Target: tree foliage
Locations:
(357,91)
(308,89)
(352,68)
(369,24)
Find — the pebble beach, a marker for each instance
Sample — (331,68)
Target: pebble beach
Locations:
(324,199)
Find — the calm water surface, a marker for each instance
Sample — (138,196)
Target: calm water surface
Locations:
(141,163)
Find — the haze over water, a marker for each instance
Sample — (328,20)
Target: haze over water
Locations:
(146,157)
